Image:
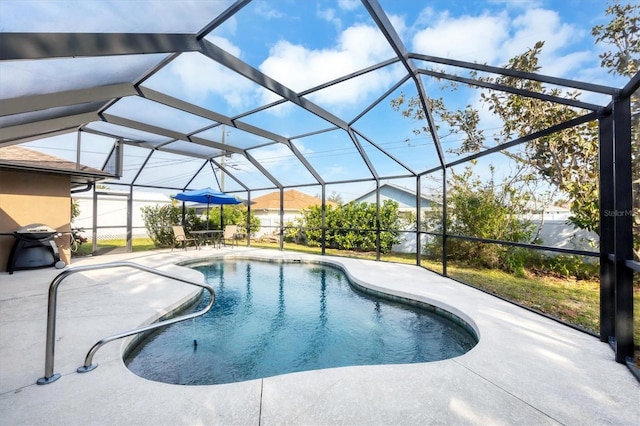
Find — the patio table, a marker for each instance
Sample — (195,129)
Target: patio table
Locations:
(208,235)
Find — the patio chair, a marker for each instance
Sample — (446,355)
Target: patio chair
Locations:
(179,236)
(230,234)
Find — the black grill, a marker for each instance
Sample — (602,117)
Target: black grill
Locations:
(34,248)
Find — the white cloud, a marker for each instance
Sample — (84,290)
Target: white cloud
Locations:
(399,24)
(517,4)
(425,17)
(199,77)
(495,38)
(301,68)
(263,9)
(365,43)
(329,15)
(564,65)
(474,38)
(349,4)
(280,161)
(537,25)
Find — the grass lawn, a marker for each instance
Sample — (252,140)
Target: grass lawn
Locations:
(576,302)
(138,244)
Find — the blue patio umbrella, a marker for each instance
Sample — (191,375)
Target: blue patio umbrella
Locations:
(209,196)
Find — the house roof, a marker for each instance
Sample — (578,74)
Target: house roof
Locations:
(20,158)
(392,187)
(293,200)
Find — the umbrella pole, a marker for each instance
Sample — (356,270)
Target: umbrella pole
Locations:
(207,214)
(207,234)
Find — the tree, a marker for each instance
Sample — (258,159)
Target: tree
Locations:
(348,227)
(158,221)
(622,32)
(234,214)
(75,209)
(335,197)
(254,224)
(567,160)
(483,209)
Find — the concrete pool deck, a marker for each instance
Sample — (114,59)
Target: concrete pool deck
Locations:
(526,369)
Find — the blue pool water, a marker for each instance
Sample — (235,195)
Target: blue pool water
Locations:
(271,319)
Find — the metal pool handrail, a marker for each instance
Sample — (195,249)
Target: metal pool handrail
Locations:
(49,375)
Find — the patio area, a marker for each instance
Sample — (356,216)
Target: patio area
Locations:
(526,369)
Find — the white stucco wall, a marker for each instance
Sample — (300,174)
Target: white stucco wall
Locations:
(270,221)
(554,233)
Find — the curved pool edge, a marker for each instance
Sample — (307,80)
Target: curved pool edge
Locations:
(432,304)
(523,371)
(130,343)
(438,306)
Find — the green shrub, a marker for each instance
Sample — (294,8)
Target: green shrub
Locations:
(482,209)
(159,219)
(515,261)
(350,226)
(570,266)
(231,215)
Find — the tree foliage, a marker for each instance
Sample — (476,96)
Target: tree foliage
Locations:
(566,160)
(231,215)
(483,209)
(349,226)
(159,219)
(75,209)
(623,34)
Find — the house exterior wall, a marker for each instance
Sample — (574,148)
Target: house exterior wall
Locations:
(26,198)
(270,220)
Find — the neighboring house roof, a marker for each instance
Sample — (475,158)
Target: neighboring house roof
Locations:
(20,158)
(406,198)
(293,200)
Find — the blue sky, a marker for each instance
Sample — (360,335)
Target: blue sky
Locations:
(302,44)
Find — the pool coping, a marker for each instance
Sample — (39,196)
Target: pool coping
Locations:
(432,305)
(525,369)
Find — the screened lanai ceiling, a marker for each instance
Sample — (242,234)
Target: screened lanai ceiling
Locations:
(244,95)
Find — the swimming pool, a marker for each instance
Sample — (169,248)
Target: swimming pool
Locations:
(274,318)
